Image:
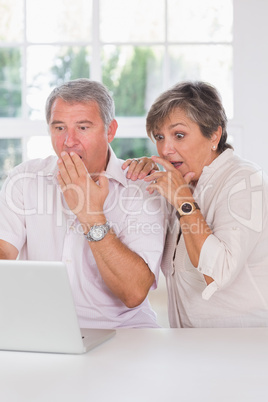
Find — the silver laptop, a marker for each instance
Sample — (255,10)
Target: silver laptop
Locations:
(37,311)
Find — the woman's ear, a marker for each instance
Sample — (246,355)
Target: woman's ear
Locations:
(215,138)
(112,130)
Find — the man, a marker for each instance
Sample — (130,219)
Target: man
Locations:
(81,209)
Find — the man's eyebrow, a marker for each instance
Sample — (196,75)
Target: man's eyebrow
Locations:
(57,122)
(77,122)
(84,121)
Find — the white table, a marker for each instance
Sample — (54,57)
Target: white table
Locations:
(144,365)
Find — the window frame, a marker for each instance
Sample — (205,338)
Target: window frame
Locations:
(129,127)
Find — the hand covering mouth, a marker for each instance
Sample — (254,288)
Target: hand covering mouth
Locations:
(72,150)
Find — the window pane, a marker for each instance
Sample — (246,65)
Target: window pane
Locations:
(10,82)
(11,26)
(199,21)
(134,76)
(211,63)
(39,147)
(59,20)
(125,148)
(128,21)
(49,66)
(10,156)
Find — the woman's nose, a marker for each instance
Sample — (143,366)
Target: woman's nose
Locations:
(168,148)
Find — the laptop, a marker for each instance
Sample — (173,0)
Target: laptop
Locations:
(37,312)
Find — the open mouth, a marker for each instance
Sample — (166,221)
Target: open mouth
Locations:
(176,165)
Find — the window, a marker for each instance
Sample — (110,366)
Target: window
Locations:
(137,48)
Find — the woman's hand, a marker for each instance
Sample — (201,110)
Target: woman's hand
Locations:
(170,183)
(139,168)
(177,189)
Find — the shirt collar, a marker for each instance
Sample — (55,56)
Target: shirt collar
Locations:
(114,169)
(49,166)
(208,171)
(222,159)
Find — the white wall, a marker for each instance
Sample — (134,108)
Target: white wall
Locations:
(251,80)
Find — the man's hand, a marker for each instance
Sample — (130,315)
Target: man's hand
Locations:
(84,197)
(124,272)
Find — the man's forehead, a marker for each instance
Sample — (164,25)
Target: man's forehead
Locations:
(72,109)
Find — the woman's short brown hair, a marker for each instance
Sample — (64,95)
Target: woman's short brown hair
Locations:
(199,100)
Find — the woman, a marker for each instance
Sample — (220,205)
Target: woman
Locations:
(216,253)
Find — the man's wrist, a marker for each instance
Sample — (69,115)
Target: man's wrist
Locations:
(97,232)
(90,220)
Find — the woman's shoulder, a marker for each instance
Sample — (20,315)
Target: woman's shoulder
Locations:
(240,167)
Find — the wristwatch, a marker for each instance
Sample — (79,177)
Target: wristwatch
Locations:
(97,232)
(186,208)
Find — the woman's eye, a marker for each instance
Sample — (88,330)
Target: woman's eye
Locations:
(158,137)
(179,135)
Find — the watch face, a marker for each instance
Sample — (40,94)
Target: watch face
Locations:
(186,208)
(97,233)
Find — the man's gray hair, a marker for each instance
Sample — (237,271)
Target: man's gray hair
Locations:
(200,101)
(84,90)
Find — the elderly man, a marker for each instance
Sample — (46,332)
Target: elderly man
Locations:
(78,207)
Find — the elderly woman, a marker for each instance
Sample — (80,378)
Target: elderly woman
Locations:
(216,253)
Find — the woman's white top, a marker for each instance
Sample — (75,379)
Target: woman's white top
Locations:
(233,197)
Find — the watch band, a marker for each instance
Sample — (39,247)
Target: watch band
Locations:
(97,232)
(186,208)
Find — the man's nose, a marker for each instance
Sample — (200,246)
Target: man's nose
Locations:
(71,138)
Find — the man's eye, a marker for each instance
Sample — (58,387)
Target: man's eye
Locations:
(59,128)
(83,128)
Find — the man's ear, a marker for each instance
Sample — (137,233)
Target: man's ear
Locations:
(112,130)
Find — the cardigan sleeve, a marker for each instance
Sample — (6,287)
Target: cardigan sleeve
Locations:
(240,215)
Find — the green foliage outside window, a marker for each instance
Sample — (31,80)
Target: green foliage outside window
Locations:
(70,65)
(10,82)
(10,156)
(129,89)
(125,148)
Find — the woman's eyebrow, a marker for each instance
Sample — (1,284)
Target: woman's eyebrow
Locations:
(177,124)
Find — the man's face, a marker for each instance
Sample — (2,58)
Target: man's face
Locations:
(78,127)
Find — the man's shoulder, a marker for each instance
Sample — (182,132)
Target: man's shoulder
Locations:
(43,167)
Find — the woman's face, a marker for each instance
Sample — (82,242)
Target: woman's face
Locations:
(180,141)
